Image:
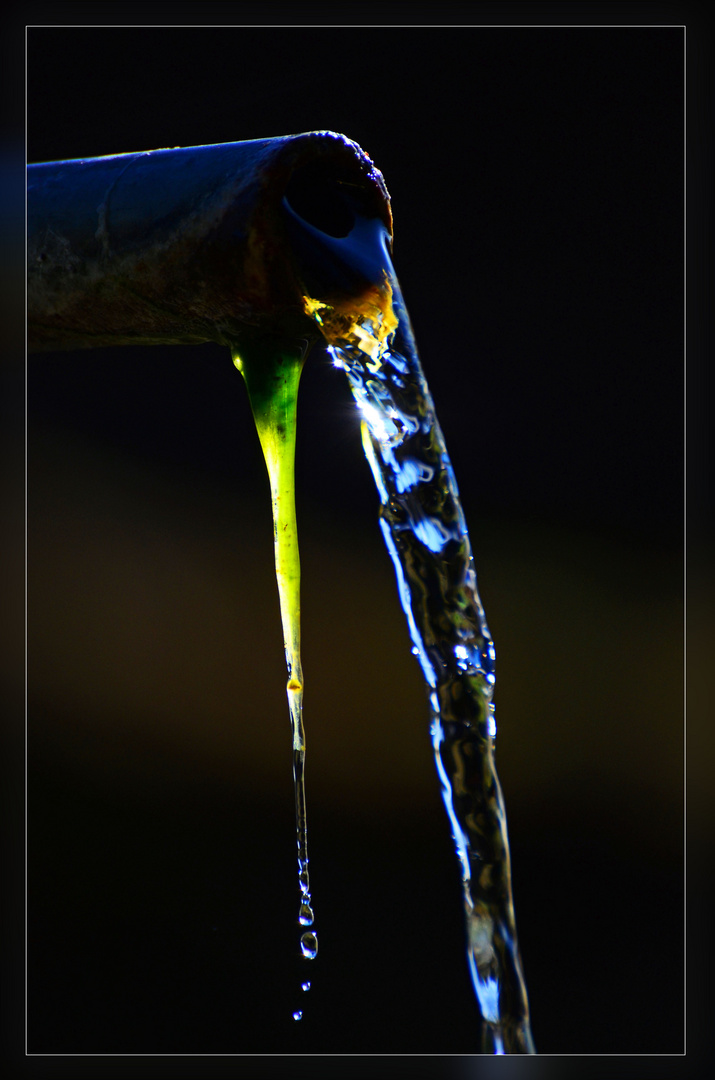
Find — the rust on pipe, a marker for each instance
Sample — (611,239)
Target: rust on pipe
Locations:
(194,244)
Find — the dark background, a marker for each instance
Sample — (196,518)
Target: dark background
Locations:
(536,178)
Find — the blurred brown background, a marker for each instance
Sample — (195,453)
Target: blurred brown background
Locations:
(536,179)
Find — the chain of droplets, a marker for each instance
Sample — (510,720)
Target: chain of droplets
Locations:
(306,916)
(425,532)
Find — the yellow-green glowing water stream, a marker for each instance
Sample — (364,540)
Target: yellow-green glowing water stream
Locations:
(271,371)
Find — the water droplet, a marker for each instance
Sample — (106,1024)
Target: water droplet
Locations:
(305,915)
(309,945)
(305,986)
(297,1015)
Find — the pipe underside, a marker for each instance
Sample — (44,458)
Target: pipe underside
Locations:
(187,245)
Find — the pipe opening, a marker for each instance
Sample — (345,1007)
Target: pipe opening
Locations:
(326,199)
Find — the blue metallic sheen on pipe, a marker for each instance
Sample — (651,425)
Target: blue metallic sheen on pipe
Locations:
(189,245)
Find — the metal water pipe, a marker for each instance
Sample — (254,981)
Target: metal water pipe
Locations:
(195,244)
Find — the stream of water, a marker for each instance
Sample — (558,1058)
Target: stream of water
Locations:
(423,525)
(424,528)
(271,371)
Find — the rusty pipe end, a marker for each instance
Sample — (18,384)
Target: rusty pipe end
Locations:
(185,245)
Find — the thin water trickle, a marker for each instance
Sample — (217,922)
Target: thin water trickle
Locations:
(271,371)
(425,531)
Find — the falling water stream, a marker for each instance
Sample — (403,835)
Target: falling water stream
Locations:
(423,525)
(272,375)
